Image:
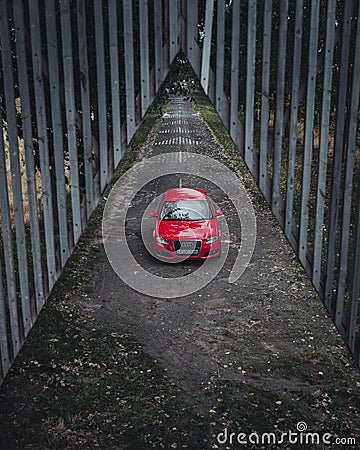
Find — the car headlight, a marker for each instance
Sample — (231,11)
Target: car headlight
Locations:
(161,240)
(212,239)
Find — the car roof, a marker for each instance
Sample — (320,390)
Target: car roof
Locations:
(185,194)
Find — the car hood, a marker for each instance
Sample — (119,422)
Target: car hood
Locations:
(196,229)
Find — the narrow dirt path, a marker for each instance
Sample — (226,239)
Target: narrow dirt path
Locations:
(261,331)
(107,367)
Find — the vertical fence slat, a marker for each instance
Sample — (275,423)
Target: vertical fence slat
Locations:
(338,155)
(14,152)
(129,70)
(166,34)
(158,44)
(71,118)
(354,288)
(279,114)
(115,78)
(324,142)
(7,239)
(220,39)
(264,135)
(85,106)
(101,93)
(309,130)
(4,347)
(348,184)
(206,51)
(144,57)
(289,219)
(191,29)
(28,149)
(182,31)
(173,12)
(235,42)
(40,106)
(57,128)
(250,86)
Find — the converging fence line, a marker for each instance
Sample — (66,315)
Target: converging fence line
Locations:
(287,88)
(77,77)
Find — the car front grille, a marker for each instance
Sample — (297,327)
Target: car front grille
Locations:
(187,247)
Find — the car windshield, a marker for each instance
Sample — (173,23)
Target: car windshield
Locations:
(186,210)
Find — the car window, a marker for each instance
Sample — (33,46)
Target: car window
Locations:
(186,210)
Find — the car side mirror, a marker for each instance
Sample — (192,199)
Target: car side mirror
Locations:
(154,214)
(219,212)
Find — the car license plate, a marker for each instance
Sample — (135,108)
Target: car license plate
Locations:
(187,252)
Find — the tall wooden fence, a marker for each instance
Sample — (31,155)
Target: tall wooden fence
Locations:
(284,77)
(77,77)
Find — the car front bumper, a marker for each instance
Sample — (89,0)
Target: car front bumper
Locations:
(168,252)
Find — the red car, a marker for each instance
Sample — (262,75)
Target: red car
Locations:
(186,225)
